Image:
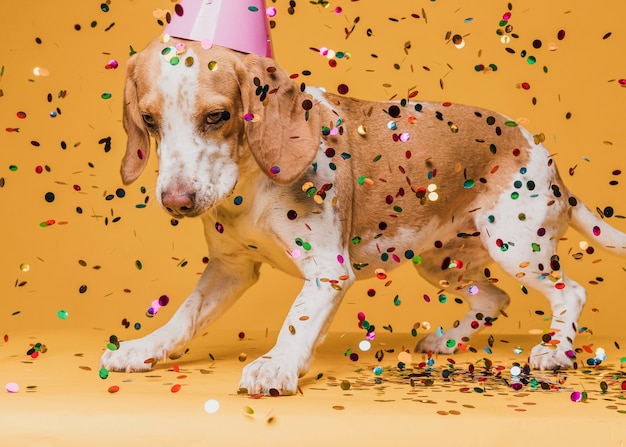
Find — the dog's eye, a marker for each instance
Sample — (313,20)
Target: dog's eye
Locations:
(149,120)
(217,117)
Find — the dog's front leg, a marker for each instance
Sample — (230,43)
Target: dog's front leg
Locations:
(305,327)
(219,287)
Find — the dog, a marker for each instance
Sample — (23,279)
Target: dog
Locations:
(333,189)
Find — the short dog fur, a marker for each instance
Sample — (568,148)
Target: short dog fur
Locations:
(333,189)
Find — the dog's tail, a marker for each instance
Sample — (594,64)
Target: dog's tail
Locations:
(597,230)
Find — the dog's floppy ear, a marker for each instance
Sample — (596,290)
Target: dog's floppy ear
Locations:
(282,123)
(138,144)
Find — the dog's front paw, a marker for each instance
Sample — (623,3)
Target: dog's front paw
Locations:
(270,374)
(548,358)
(131,356)
(435,344)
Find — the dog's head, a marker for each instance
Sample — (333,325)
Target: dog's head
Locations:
(208,110)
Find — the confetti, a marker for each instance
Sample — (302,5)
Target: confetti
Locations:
(211,406)
(513,57)
(40,71)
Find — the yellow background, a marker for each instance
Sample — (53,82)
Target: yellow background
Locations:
(581,79)
(43,268)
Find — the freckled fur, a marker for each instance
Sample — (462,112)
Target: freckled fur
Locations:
(516,192)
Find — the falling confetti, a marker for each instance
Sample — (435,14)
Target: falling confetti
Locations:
(63,163)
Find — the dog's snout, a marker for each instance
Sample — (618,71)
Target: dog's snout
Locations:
(178,202)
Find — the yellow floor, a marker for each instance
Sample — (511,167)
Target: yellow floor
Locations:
(62,401)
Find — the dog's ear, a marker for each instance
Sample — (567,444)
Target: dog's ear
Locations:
(282,122)
(138,143)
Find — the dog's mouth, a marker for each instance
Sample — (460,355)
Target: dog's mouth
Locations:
(184,212)
(174,214)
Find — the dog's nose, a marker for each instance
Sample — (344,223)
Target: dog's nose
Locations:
(178,202)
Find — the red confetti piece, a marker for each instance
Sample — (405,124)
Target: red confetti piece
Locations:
(175,388)
(113,389)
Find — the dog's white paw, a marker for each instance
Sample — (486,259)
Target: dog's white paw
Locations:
(270,374)
(131,356)
(433,343)
(547,358)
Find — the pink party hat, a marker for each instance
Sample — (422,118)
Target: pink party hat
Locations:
(236,24)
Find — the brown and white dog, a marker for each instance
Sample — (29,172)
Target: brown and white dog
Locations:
(333,189)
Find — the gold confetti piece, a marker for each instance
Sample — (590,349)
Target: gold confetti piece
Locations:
(39,71)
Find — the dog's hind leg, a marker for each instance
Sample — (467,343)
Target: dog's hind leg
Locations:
(218,288)
(486,301)
(535,263)
(524,245)
(566,297)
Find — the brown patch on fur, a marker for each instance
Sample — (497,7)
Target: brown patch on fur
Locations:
(448,145)
(283,135)
(138,144)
